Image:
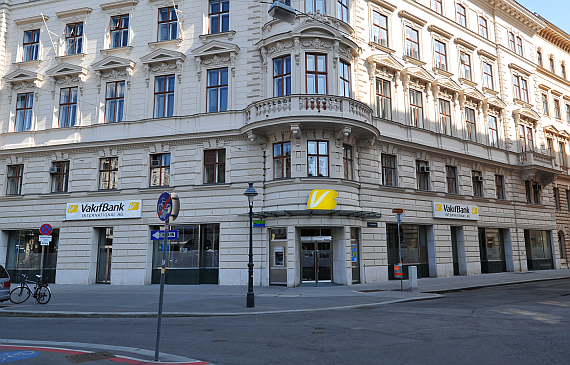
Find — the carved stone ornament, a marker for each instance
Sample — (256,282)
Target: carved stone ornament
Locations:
(66,81)
(296,131)
(316,43)
(341,134)
(280,46)
(262,140)
(25,85)
(216,60)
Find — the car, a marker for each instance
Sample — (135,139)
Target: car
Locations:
(4,284)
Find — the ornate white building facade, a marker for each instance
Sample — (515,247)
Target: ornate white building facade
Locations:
(434,107)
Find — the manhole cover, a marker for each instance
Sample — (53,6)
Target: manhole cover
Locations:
(93,356)
(371,290)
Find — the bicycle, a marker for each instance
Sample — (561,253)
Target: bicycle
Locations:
(22,292)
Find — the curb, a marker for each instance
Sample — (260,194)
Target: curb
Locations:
(480,286)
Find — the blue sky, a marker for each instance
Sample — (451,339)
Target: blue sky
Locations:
(555,11)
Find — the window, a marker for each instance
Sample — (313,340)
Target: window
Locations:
(114,101)
(31,45)
(219,16)
(483,30)
(316,73)
(59,176)
(519,46)
(318,158)
(215,166)
(167,24)
(568,200)
(551,65)
(119,26)
(412,43)
(557,109)
(544,104)
(388,170)
(524,90)
(556,198)
(344,79)
(164,96)
(440,55)
(422,175)
(549,147)
(14,179)
(562,153)
(512,45)
(347,161)
(500,187)
(563,70)
(217,90)
(465,67)
(568,113)
(477,178)
(487,76)
(520,88)
(539,58)
(451,177)
(383,99)
(24,105)
(282,76)
(160,169)
(461,16)
(68,106)
(525,134)
(380,28)
(493,131)
(416,108)
(470,124)
(445,116)
(73,38)
(437,6)
(312,6)
(533,192)
(108,173)
(282,160)
(342,9)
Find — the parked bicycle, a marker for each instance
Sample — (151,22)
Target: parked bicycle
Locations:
(22,292)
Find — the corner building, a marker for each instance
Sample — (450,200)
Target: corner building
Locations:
(432,107)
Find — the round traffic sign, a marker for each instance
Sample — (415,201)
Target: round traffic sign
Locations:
(46,229)
(164,206)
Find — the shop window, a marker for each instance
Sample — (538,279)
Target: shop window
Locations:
(465,67)
(164,96)
(14,179)
(537,244)
(74,38)
(282,76)
(316,73)
(562,153)
(412,43)
(160,169)
(347,160)
(477,178)
(282,160)
(451,177)
(422,175)
(31,45)
(557,114)
(68,107)
(500,187)
(59,172)
(493,131)
(383,99)
(416,108)
(413,247)
(440,55)
(215,166)
(471,124)
(119,26)
(512,45)
(483,29)
(318,158)
(556,197)
(217,90)
(24,107)
(344,69)
(444,116)
(487,76)
(342,10)
(388,170)
(380,28)
(437,6)
(533,192)
(114,101)
(491,246)
(108,173)
(167,24)
(461,15)
(314,6)
(24,254)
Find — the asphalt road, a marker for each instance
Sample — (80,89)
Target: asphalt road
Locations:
(515,324)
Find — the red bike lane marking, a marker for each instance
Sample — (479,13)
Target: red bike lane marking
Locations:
(120,359)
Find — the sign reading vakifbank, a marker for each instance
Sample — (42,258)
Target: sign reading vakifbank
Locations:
(322,199)
(455,211)
(104,210)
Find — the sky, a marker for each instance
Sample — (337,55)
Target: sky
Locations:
(556,12)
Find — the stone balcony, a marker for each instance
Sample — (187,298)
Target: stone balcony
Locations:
(538,167)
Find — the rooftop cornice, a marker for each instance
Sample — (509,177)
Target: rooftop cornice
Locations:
(555,36)
(520,13)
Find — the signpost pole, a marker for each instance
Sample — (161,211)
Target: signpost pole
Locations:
(42,264)
(162,271)
(399,213)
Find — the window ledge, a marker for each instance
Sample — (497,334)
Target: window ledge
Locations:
(490,91)
(439,71)
(58,193)
(156,187)
(77,56)
(13,196)
(413,60)
(127,50)
(36,63)
(229,35)
(103,192)
(465,81)
(523,103)
(381,47)
(171,42)
(212,186)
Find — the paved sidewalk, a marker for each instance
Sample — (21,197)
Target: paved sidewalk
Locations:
(216,300)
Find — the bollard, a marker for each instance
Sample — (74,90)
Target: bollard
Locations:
(412,278)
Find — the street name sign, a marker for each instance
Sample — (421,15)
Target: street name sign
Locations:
(158,235)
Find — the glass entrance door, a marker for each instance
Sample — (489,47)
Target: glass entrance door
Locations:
(104,255)
(316,261)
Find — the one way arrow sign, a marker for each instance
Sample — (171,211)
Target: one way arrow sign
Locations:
(159,235)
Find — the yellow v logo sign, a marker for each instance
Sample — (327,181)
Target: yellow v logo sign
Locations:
(322,199)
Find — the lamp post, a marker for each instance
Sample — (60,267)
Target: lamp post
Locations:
(250,193)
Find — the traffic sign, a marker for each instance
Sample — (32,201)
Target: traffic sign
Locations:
(398,211)
(398,274)
(172,234)
(46,229)
(45,240)
(164,206)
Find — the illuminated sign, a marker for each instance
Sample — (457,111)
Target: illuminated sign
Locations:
(322,199)
(455,211)
(104,210)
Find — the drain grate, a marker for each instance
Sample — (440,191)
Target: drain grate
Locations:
(93,356)
(370,290)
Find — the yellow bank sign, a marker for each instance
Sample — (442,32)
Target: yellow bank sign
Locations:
(104,210)
(455,211)
(322,199)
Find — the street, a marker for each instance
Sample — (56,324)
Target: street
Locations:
(514,324)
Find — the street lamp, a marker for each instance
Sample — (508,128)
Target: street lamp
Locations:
(283,12)
(250,193)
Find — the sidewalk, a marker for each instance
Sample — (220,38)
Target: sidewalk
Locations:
(216,300)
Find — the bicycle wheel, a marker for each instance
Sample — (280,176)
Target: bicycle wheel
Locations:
(43,295)
(19,295)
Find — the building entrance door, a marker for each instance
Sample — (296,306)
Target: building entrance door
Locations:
(105,252)
(316,261)
(454,251)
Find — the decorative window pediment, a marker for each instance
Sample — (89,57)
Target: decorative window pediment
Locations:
(111,68)
(418,73)
(32,21)
(495,101)
(76,14)
(120,6)
(21,76)
(66,74)
(447,83)
(472,93)
(383,65)
(526,113)
(162,61)
(216,53)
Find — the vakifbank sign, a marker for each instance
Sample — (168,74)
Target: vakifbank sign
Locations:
(104,210)
(322,199)
(455,211)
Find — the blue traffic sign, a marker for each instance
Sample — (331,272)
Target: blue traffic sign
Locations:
(164,206)
(46,229)
(159,235)
(17,355)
